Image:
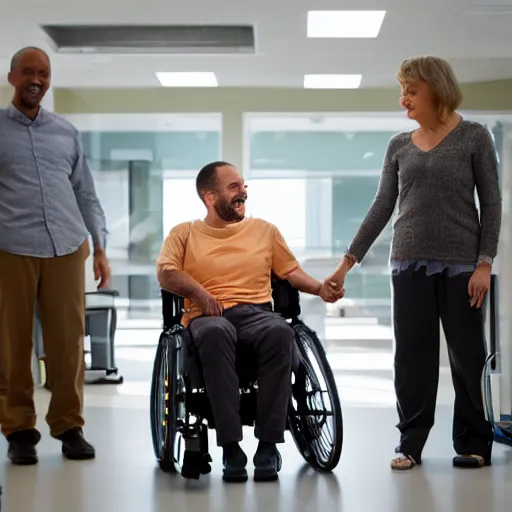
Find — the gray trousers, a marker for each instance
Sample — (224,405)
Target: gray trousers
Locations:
(270,341)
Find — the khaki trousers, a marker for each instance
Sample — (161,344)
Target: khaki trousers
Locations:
(58,286)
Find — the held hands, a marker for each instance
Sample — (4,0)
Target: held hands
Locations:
(337,278)
(333,287)
(331,292)
(478,285)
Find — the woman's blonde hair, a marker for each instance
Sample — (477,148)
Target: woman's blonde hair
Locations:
(439,75)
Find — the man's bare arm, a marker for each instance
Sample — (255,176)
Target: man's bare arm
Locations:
(304,282)
(180,283)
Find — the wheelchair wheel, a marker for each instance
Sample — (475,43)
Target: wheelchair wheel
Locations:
(315,418)
(167,400)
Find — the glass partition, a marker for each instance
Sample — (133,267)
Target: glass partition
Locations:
(337,159)
(141,164)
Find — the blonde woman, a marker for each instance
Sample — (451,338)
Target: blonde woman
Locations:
(441,258)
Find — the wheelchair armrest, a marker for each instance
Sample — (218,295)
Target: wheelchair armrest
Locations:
(172,308)
(286,299)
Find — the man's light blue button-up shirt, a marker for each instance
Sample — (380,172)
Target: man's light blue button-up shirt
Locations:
(48,202)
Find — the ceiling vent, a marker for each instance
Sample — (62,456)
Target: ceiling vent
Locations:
(173,39)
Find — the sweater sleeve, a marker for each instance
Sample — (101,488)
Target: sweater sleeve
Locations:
(485,170)
(382,206)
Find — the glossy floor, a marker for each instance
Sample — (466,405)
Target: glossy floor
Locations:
(124,476)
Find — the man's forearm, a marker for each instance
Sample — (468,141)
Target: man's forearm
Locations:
(304,282)
(180,283)
(94,219)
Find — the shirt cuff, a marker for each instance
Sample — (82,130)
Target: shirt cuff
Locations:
(99,241)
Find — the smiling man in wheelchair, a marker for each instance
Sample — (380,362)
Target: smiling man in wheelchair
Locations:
(222,266)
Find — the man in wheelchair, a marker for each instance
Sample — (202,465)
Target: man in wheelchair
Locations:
(222,266)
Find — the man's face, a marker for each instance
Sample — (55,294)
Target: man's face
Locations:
(31,78)
(231,195)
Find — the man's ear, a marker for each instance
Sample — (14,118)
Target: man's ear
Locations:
(209,198)
(10,78)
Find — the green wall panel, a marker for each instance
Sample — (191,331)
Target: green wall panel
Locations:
(318,151)
(170,150)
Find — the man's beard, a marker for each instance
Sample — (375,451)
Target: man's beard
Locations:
(226,209)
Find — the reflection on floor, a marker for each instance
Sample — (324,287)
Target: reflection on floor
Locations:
(124,476)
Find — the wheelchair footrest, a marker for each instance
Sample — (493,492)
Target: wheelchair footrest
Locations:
(195,464)
(196,459)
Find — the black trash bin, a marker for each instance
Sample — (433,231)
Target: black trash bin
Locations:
(100,327)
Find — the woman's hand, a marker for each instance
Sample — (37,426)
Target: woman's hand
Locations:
(337,278)
(479,284)
(336,281)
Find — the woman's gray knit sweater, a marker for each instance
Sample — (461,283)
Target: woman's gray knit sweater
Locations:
(437,218)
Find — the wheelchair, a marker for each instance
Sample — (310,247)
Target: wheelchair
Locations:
(180,411)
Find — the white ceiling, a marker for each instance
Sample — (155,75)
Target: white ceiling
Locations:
(479,44)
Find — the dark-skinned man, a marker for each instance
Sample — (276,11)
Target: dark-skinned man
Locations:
(48,209)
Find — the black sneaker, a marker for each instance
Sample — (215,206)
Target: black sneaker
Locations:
(267,463)
(74,445)
(22,447)
(235,462)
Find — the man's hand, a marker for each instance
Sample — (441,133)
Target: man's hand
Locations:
(208,304)
(330,291)
(101,269)
(479,284)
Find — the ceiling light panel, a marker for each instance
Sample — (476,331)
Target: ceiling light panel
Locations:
(194,79)
(344,24)
(332,81)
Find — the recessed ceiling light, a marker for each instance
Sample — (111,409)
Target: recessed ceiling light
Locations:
(337,24)
(171,79)
(332,81)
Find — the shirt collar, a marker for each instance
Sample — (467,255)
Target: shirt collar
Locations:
(15,114)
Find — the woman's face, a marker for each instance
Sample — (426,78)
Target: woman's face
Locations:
(418,101)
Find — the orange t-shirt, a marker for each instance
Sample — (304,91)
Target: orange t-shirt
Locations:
(233,263)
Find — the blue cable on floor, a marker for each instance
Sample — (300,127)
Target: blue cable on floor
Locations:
(503,430)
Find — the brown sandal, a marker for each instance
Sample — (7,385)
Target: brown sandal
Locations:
(402,463)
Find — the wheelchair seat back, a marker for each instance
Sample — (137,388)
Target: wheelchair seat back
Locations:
(286,299)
